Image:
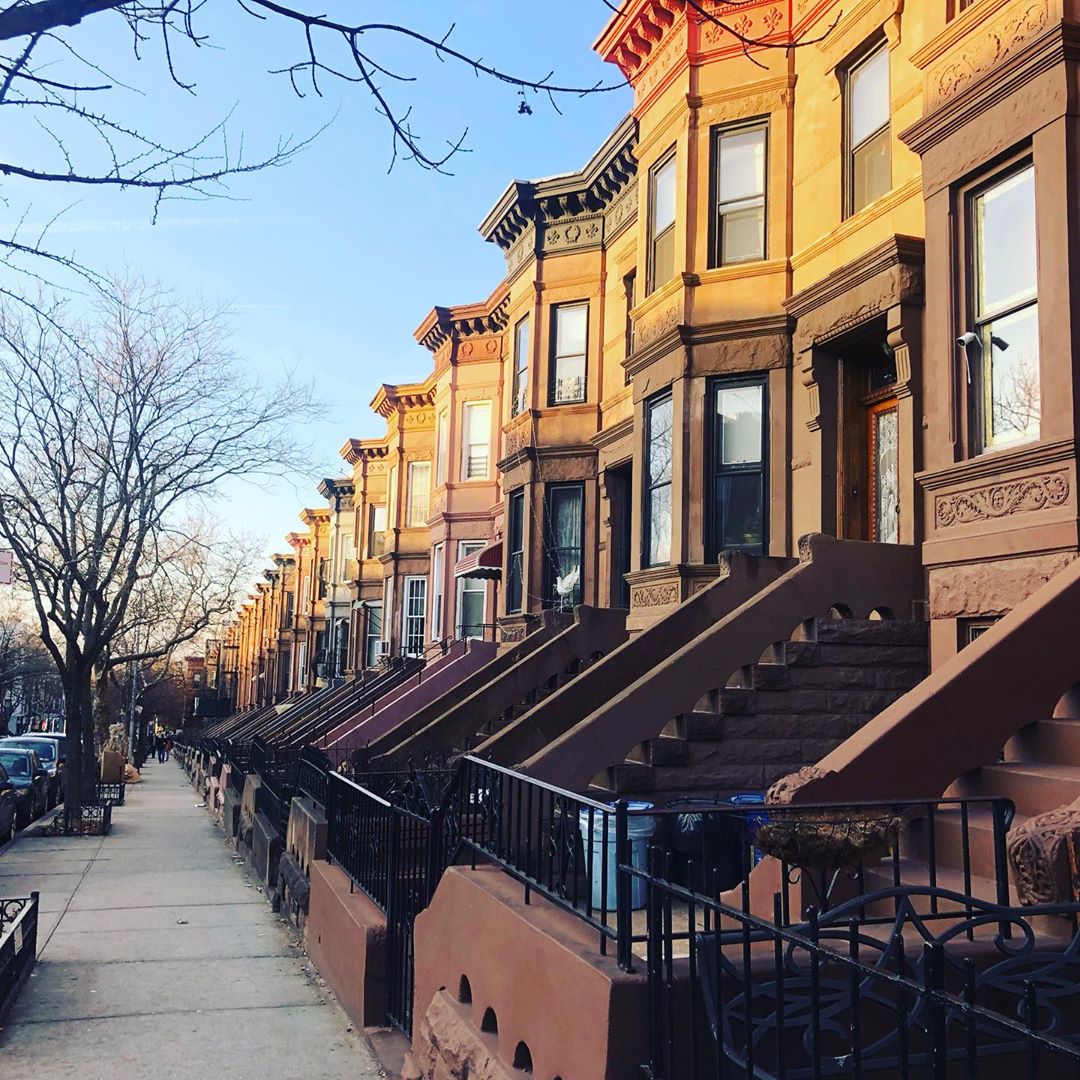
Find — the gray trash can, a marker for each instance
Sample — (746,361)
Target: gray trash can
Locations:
(605,864)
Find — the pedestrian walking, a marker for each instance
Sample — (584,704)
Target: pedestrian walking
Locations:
(159,745)
(168,748)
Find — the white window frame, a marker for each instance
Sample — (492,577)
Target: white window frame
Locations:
(412,510)
(468,410)
(388,607)
(465,549)
(442,449)
(409,583)
(437,570)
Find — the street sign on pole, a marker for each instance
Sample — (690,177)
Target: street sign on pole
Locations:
(7,562)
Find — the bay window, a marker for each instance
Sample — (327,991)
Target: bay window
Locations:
(476,447)
(867,109)
(1004,366)
(735,510)
(564,527)
(739,186)
(658,457)
(569,353)
(520,400)
(661,249)
(413,614)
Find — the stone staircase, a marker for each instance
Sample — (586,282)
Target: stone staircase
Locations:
(492,726)
(803,698)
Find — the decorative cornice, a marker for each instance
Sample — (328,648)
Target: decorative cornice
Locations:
(443,324)
(554,201)
(897,250)
(356,450)
(332,488)
(390,399)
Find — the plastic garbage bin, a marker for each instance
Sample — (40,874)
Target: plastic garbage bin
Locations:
(604,863)
(752,821)
(707,848)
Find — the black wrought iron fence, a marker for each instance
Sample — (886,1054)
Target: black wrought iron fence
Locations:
(734,995)
(113,791)
(312,771)
(18,945)
(273,800)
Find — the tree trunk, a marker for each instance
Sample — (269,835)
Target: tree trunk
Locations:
(73,727)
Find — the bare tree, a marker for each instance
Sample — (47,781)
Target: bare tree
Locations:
(113,429)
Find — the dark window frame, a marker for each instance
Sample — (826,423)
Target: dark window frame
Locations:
(665,159)
(629,293)
(520,368)
(549,545)
(515,552)
(879,43)
(974,389)
(553,354)
(647,488)
(714,470)
(716,237)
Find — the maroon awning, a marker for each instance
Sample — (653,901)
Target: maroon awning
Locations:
(485,563)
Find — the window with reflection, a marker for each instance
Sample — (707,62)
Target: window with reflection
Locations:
(1005,370)
(661,222)
(520,400)
(569,353)
(564,528)
(735,516)
(867,110)
(739,186)
(515,567)
(658,454)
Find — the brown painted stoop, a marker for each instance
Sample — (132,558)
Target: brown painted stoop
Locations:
(504,689)
(771,679)
(788,710)
(998,719)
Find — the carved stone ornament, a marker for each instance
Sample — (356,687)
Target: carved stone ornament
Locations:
(512,633)
(655,595)
(652,328)
(1043,855)
(987,48)
(1001,500)
(780,794)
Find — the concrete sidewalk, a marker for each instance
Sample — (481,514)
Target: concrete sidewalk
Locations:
(158,959)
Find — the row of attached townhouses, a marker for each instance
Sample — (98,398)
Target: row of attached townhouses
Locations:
(757,470)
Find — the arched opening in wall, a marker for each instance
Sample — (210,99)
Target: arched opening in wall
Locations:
(464,991)
(839,611)
(1068,706)
(489,1025)
(522,1058)
(881,614)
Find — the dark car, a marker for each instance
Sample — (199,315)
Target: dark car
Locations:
(49,752)
(9,807)
(30,779)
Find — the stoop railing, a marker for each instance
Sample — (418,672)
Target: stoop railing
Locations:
(18,945)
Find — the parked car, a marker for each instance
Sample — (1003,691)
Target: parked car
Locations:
(9,807)
(30,779)
(48,750)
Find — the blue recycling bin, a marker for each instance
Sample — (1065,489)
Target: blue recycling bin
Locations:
(752,820)
(604,861)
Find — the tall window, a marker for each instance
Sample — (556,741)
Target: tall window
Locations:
(388,607)
(867,108)
(323,579)
(564,525)
(471,596)
(739,186)
(413,614)
(437,563)
(377,522)
(515,569)
(301,666)
(287,614)
(476,449)
(520,401)
(661,222)
(630,292)
(373,634)
(442,436)
(391,498)
(736,507)
(1005,306)
(570,334)
(416,510)
(658,481)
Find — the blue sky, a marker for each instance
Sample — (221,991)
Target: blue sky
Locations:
(329,262)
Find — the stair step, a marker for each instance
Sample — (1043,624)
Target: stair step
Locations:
(662,751)
(760,677)
(871,632)
(1046,740)
(625,779)
(916,872)
(949,839)
(1034,787)
(695,725)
